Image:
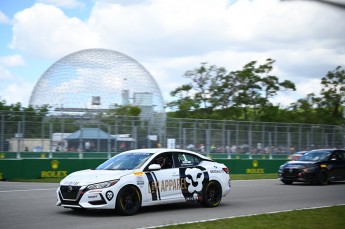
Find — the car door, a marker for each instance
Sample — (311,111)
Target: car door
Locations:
(164,184)
(193,177)
(342,164)
(337,165)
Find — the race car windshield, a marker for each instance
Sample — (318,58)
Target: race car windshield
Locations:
(315,156)
(125,161)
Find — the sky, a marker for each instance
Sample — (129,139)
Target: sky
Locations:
(170,37)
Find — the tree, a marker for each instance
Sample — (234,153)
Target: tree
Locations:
(333,93)
(126,110)
(307,110)
(17,119)
(251,89)
(213,88)
(197,95)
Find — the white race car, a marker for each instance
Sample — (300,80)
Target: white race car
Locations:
(146,177)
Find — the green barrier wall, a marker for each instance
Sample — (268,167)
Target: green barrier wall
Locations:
(100,155)
(58,168)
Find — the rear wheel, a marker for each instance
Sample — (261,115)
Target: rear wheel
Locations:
(128,200)
(212,194)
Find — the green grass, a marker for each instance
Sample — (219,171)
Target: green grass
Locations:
(253,176)
(321,218)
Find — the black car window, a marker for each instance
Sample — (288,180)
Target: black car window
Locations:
(186,159)
(338,156)
(315,156)
(342,155)
(164,160)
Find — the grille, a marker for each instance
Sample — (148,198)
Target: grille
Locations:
(291,172)
(70,192)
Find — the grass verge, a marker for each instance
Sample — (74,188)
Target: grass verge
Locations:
(321,218)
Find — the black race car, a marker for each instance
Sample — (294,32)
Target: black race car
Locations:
(316,167)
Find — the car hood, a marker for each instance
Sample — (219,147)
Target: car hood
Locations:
(299,163)
(86,177)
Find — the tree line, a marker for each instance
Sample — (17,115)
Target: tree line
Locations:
(244,95)
(216,93)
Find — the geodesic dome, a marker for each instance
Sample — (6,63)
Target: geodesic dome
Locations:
(97,79)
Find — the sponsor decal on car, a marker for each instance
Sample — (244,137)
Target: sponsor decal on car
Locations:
(109,195)
(70,183)
(92,197)
(95,191)
(167,185)
(216,171)
(196,179)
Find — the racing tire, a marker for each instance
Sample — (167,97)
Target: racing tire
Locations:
(212,194)
(128,201)
(287,181)
(322,178)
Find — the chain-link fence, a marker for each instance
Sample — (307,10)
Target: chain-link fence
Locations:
(79,135)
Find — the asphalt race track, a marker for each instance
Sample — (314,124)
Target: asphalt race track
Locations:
(32,205)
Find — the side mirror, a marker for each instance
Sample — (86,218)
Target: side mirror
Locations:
(154,167)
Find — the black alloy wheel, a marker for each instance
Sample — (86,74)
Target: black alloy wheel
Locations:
(212,194)
(128,200)
(286,181)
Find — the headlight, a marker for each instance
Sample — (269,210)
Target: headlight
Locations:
(309,169)
(104,184)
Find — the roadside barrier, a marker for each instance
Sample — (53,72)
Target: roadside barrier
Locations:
(59,168)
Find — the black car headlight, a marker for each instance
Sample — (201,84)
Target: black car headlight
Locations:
(309,169)
(105,184)
(281,168)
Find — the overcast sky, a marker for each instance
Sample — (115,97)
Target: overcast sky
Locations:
(169,37)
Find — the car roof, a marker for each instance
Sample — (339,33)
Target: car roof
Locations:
(163,150)
(325,150)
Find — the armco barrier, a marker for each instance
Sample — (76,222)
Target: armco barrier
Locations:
(59,168)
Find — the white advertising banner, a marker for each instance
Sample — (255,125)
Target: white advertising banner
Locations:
(171,143)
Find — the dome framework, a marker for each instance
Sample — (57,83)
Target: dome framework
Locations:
(97,79)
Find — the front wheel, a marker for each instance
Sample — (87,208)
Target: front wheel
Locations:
(322,178)
(212,194)
(287,181)
(128,201)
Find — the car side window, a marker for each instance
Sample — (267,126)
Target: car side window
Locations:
(164,160)
(340,156)
(186,159)
(337,156)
